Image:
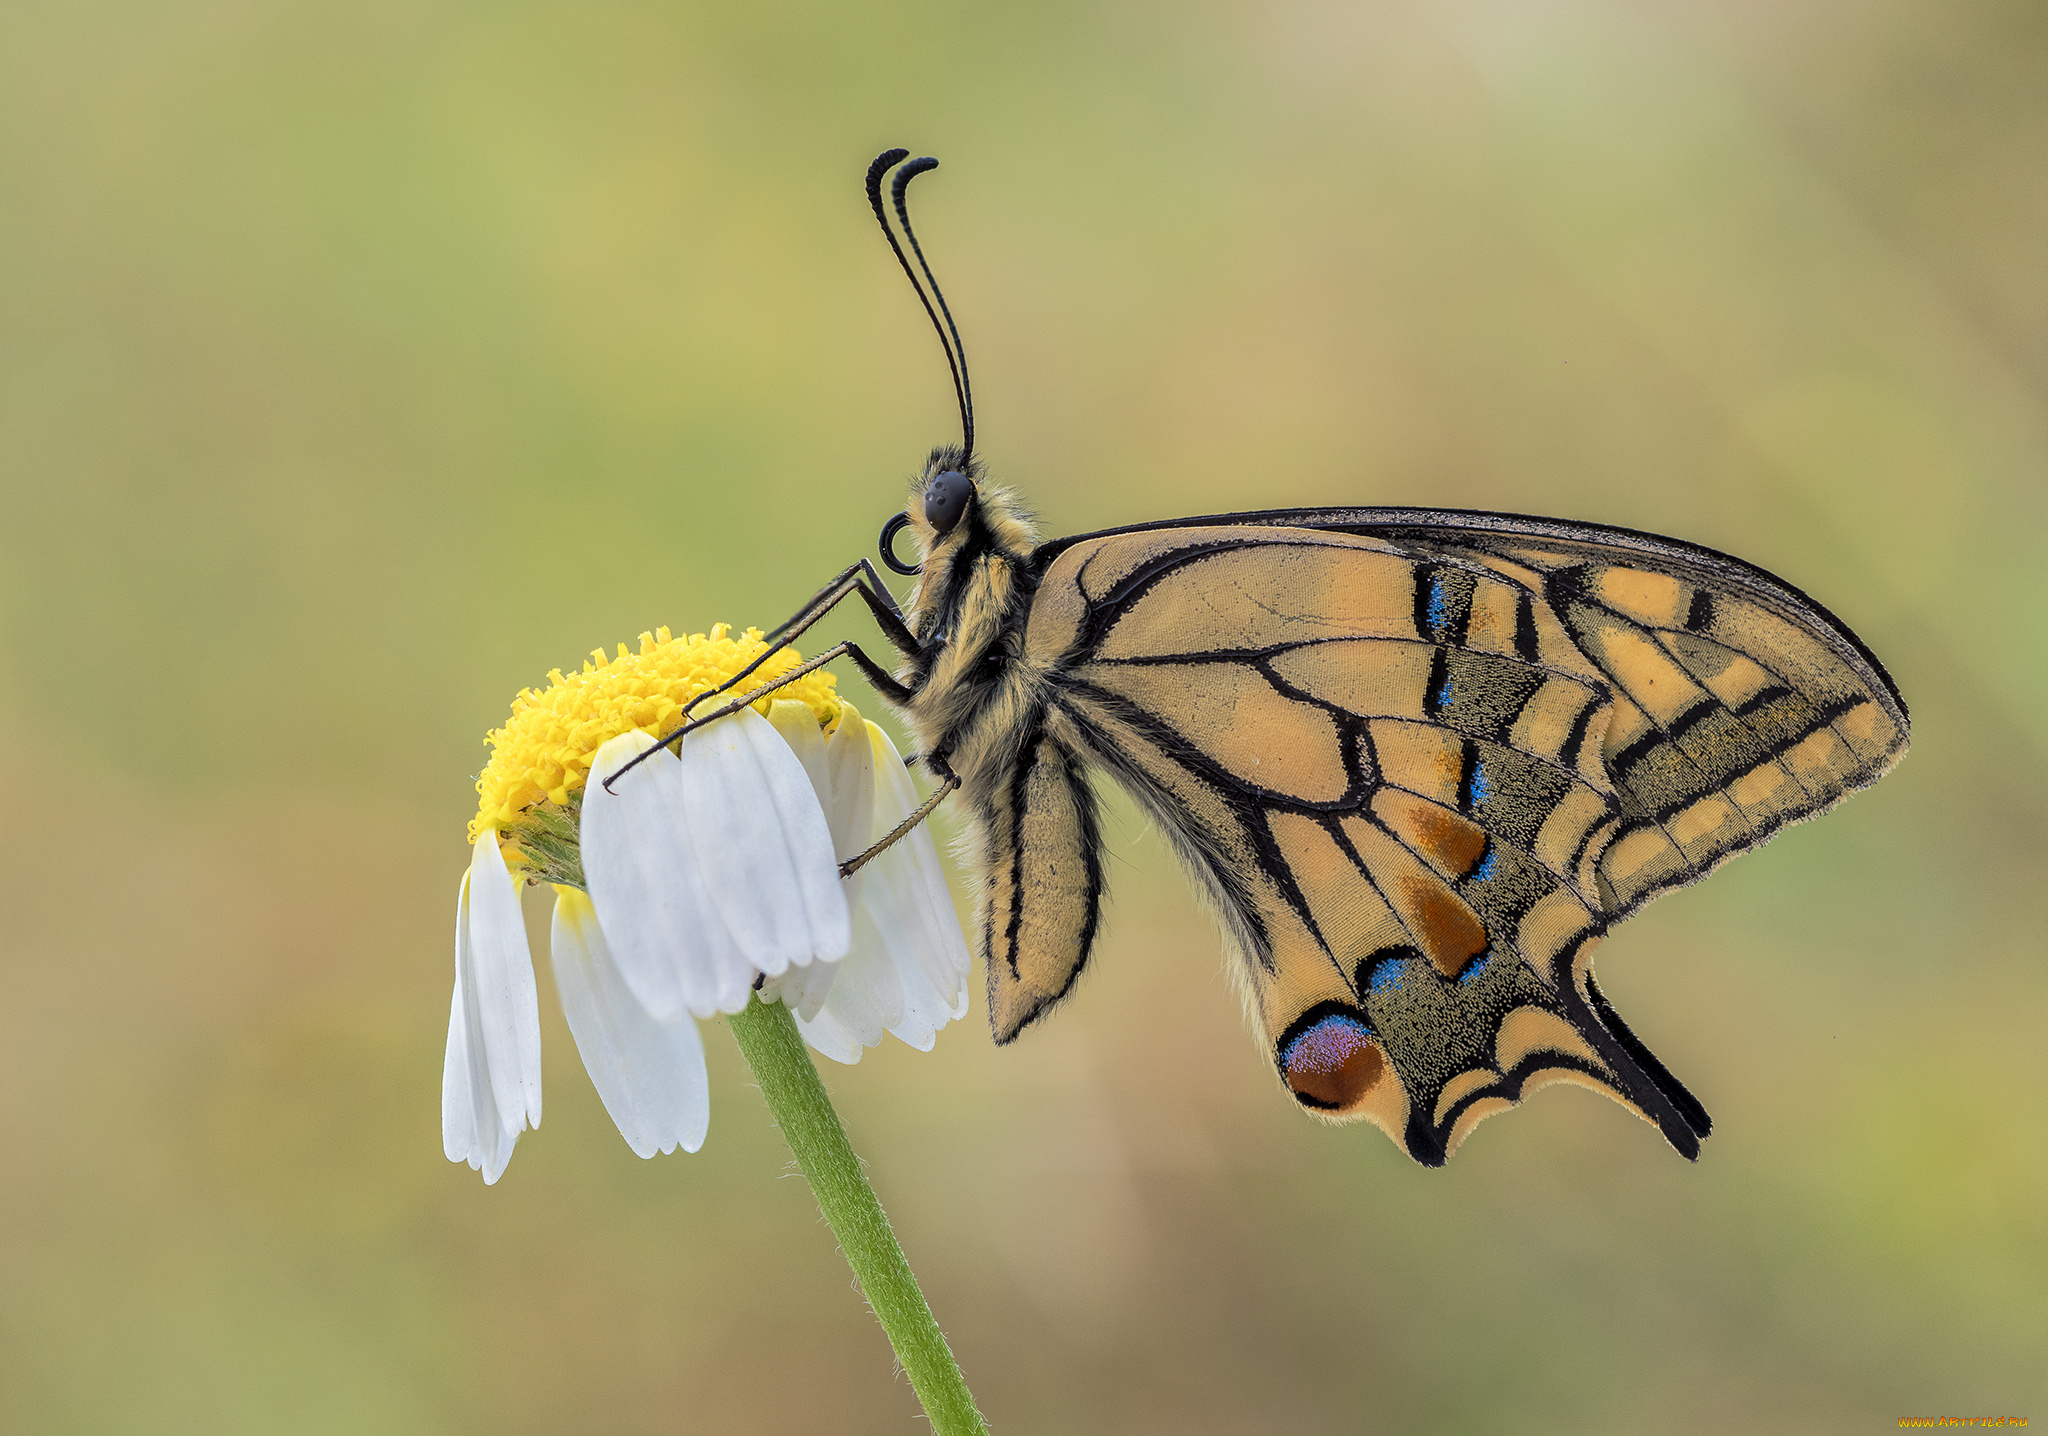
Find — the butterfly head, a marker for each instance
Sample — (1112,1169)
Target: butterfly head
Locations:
(960,523)
(942,505)
(954,513)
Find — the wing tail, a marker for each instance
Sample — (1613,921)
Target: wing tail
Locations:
(1691,1116)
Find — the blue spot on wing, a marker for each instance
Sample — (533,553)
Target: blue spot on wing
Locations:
(1486,868)
(1482,786)
(1473,969)
(1439,607)
(1386,978)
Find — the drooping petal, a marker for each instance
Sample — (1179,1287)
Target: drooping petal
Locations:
(458,1103)
(926,1007)
(650,1074)
(710,868)
(670,944)
(799,728)
(760,840)
(929,930)
(802,989)
(866,998)
(472,1129)
(507,1003)
(907,971)
(851,758)
(842,773)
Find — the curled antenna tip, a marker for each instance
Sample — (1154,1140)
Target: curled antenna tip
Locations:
(910,172)
(949,333)
(881,165)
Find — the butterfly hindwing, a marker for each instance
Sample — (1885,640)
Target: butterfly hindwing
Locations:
(1419,772)
(1333,732)
(1043,859)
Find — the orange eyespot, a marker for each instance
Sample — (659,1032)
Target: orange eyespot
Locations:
(1332,1063)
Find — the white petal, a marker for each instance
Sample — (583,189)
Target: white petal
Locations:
(665,933)
(842,773)
(926,929)
(650,1074)
(802,989)
(866,998)
(799,728)
(762,845)
(826,1035)
(505,1010)
(471,1129)
(907,971)
(458,1111)
(850,756)
(926,1008)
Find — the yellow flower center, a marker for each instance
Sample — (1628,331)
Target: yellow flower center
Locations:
(542,755)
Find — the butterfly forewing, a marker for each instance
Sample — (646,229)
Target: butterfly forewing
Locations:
(1732,716)
(1418,770)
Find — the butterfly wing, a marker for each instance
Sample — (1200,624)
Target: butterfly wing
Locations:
(1741,705)
(1419,764)
(1043,898)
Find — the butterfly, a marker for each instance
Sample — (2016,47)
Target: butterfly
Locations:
(1418,761)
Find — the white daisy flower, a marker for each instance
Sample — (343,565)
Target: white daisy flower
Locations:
(702,878)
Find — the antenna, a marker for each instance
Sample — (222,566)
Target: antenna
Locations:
(949,334)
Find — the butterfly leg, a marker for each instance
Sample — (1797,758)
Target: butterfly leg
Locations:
(950,781)
(875,674)
(859,577)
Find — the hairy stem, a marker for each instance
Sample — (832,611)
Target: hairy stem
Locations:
(789,1080)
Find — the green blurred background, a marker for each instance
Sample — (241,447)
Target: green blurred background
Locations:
(360,362)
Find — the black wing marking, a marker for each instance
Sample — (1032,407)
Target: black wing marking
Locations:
(1375,762)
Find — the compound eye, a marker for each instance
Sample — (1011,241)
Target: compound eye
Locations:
(945,499)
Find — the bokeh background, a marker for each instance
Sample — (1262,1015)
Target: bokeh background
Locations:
(359,362)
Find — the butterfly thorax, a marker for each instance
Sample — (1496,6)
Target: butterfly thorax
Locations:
(968,613)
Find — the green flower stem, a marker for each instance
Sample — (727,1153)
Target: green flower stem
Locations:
(789,1080)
